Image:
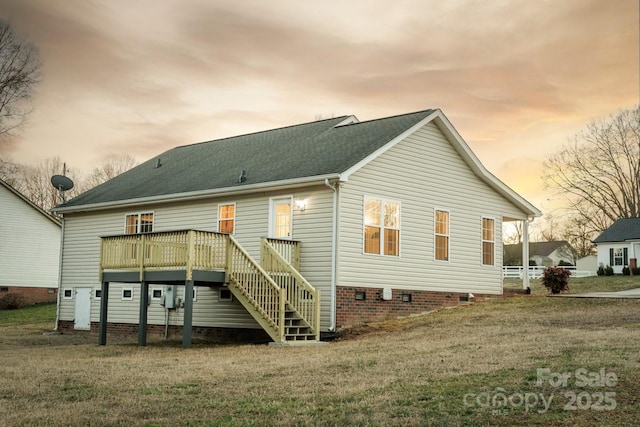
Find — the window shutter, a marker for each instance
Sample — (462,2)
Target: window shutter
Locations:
(625,255)
(611,257)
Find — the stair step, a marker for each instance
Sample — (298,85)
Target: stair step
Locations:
(300,337)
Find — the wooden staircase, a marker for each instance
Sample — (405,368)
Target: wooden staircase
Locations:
(276,295)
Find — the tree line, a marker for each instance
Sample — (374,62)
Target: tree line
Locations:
(34,181)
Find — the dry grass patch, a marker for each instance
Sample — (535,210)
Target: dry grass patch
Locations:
(408,372)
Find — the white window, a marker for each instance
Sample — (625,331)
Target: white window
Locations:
(138,223)
(97,293)
(127,294)
(67,293)
(441,235)
(281,213)
(156,294)
(488,241)
(381,226)
(227,218)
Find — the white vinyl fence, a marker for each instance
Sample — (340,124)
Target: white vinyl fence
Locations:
(516,272)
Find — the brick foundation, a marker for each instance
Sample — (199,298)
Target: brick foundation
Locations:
(156,332)
(31,295)
(350,311)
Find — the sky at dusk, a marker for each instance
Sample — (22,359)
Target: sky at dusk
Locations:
(516,78)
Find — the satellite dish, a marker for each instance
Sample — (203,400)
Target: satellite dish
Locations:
(61,182)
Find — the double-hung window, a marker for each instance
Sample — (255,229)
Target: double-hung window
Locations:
(441,234)
(139,223)
(488,241)
(227,218)
(381,226)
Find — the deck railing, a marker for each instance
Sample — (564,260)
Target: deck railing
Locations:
(302,297)
(289,249)
(264,295)
(188,249)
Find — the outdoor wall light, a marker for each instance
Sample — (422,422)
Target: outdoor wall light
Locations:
(301,204)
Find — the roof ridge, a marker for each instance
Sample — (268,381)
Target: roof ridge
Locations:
(428,110)
(260,131)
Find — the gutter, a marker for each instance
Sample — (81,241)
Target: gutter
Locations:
(200,194)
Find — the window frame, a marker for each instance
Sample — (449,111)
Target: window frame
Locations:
(139,222)
(123,298)
(232,219)
(436,234)
(64,293)
(483,241)
(97,293)
(383,228)
(154,289)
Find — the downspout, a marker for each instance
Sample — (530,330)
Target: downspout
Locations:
(59,274)
(334,250)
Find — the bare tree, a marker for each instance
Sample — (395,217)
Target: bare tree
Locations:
(10,173)
(112,166)
(580,235)
(599,171)
(36,183)
(19,72)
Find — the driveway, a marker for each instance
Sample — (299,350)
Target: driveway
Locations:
(630,293)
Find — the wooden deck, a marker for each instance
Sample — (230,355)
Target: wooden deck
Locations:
(275,293)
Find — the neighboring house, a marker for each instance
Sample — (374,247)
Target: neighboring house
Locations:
(544,254)
(297,231)
(619,245)
(29,248)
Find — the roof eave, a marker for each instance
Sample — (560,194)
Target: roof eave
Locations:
(201,194)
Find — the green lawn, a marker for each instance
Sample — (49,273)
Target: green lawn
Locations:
(33,314)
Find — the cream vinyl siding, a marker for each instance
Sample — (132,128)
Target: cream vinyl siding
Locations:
(82,250)
(423,172)
(29,244)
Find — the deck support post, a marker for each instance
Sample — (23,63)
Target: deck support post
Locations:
(104,302)
(188,314)
(142,321)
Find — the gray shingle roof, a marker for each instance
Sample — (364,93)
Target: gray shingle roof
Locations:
(306,150)
(621,230)
(536,248)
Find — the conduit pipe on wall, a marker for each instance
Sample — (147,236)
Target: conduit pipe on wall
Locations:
(334,249)
(59,274)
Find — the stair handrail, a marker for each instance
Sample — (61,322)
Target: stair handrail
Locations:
(295,284)
(270,301)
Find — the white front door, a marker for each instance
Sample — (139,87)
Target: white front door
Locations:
(280,213)
(83,309)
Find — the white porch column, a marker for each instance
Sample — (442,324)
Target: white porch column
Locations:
(525,255)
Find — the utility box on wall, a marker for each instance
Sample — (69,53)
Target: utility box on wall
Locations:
(169,297)
(387,294)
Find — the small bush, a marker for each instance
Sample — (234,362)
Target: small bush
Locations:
(608,271)
(556,279)
(625,271)
(564,263)
(635,271)
(11,301)
(601,270)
